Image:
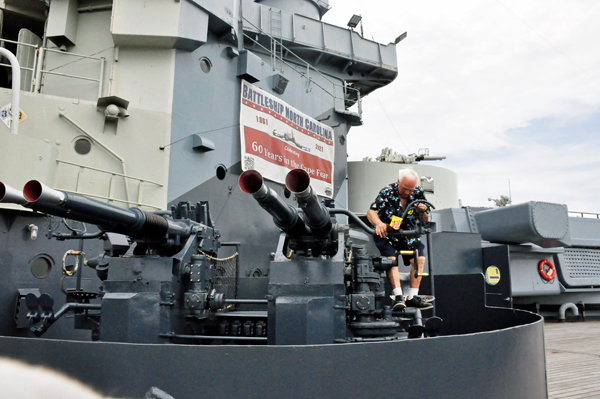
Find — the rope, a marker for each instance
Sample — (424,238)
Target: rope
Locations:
(69,273)
(76,254)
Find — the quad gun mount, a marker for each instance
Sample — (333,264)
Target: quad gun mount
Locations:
(159,258)
(318,274)
(313,233)
(322,288)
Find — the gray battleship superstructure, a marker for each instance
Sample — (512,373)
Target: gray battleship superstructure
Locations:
(213,109)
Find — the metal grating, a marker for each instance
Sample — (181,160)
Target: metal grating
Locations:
(581,263)
(226,277)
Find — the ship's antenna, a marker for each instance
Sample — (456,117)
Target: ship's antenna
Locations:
(391,123)
(509,194)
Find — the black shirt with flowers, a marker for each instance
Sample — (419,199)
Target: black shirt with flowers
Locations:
(388,204)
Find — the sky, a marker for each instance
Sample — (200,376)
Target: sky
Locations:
(507,90)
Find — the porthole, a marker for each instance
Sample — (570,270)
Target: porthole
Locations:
(83,146)
(205,65)
(221,172)
(41,266)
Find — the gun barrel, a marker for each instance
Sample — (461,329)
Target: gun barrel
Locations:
(134,221)
(11,195)
(285,216)
(317,216)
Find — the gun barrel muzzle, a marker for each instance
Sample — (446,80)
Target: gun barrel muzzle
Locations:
(252,182)
(11,195)
(317,216)
(285,216)
(34,191)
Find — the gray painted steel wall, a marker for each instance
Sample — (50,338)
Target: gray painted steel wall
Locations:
(505,361)
(496,365)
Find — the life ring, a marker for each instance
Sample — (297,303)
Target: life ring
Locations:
(547,275)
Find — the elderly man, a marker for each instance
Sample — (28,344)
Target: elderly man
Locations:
(384,212)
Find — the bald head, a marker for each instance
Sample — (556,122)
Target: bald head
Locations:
(402,173)
(407,182)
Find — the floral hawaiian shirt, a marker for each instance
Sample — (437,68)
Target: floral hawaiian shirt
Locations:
(388,204)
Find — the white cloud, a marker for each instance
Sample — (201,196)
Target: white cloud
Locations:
(470,72)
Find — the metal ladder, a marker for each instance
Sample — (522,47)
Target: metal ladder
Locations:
(276,41)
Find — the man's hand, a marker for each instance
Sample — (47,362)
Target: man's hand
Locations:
(381,229)
(423,209)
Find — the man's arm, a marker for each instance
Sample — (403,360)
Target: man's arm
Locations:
(380,228)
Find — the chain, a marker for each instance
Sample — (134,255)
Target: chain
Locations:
(217,259)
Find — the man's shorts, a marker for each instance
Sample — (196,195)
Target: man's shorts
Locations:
(386,249)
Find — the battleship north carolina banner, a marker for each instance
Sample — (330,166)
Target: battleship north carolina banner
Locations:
(277,138)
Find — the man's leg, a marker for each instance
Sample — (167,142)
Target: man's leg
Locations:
(415,282)
(393,276)
(414,300)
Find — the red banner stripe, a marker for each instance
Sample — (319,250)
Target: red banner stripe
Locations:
(279,152)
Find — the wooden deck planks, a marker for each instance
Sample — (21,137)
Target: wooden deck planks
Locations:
(573,359)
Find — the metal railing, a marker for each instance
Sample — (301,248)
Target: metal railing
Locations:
(38,70)
(16,93)
(347,92)
(21,67)
(113,175)
(38,73)
(589,215)
(121,160)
